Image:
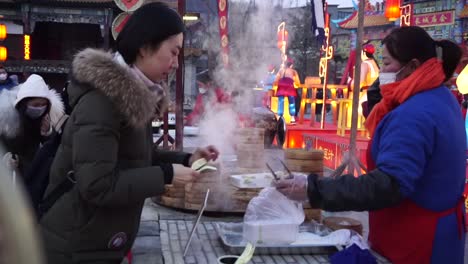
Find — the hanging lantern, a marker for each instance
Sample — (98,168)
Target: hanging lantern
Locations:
(3,32)
(3,53)
(282,38)
(392,9)
(462,81)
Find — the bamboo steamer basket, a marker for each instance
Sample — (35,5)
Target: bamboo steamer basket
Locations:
(312,214)
(300,160)
(337,222)
(250,148)
(302,154)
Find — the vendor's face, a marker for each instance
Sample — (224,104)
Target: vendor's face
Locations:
(391,64)
(156,64)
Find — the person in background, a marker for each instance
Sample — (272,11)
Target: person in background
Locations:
(107,144)
(369,74)
(268,85)
(34,113)
(7,82)
(209,95)
(287,80)
(416,158)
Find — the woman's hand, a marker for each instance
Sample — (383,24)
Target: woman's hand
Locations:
(295,188)
(10,161)
(183,175)
(46,127)
(209,153)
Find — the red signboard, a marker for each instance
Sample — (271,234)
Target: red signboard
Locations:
(433,19)
(223,30)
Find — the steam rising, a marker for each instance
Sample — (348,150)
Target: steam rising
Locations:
(253,40)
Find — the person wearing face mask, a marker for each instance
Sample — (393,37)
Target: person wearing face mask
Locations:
(107,147)
(208,95)
(6,82)
(416,158)
(36,109)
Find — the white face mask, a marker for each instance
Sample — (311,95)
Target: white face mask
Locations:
(202,90)
(389,77)
(3,76)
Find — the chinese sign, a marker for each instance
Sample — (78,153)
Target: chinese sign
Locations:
(433,19)
(27,47)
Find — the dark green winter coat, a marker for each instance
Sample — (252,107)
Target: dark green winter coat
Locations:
(107,142)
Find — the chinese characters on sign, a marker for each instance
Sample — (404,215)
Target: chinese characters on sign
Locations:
(223,30)
(327,153)
(27,47)
(434,19)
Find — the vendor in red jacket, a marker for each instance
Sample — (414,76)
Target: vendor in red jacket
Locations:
(208,94)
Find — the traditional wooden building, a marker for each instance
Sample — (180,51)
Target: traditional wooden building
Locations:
(44,34)
(376,25)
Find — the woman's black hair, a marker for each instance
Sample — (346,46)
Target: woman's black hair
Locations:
(150,25)
(407,43)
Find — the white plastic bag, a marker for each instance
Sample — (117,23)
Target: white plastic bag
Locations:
(271,218)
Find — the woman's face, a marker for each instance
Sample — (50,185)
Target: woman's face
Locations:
(156,64)
(37,102)
(390,64)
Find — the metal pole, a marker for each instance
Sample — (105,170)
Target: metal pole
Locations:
(356,89)
(179,136)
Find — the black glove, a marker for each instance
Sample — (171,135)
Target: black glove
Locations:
(372,191)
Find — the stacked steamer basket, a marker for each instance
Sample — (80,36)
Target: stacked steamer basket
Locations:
(174,195)
(306,161)
(195,191)
(250,148)
(242,196)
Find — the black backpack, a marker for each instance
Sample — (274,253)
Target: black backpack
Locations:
(37,177)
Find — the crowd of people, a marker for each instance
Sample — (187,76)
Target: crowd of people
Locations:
(416,156)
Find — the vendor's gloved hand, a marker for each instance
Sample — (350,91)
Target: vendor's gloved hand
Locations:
(10,161)
(295,188)
(209,153)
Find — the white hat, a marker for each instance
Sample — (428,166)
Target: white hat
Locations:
(35,86)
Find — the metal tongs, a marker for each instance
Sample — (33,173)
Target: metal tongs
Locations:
(277,178)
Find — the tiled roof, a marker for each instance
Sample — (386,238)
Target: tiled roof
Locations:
(370,20)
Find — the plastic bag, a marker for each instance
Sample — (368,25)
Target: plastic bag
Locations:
(271,218)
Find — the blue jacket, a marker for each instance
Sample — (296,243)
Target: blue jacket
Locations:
(422,144)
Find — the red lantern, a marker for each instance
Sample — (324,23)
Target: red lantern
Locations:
(392,9)
(282,38)
(3,53)
(3,32)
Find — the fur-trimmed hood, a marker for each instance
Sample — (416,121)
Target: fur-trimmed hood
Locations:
(9,116)
(129,94)
(35,86)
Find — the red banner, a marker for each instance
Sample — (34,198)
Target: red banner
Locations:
(223,30)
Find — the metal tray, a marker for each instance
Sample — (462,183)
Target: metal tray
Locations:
(232,240)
